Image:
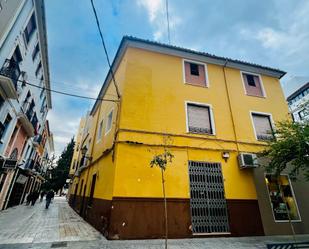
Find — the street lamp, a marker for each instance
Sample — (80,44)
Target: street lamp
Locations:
(84,151)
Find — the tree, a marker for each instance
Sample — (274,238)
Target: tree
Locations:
(60,173)
(161,161)
(289,150)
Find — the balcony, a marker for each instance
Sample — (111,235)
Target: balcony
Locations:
(26,124)
(37,140)
(9,74)
(23,117)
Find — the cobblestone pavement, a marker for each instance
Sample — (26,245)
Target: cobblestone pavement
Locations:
(35,224)
(60,227)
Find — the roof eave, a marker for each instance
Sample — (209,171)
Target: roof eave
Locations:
(184,53)
(40,11)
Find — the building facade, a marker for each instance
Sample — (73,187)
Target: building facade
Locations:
(299,103)
(213,115)
(24,103)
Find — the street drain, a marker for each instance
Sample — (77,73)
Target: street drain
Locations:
(59,244)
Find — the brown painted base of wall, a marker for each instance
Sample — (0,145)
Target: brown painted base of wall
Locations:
(143,218)
(245,218)
(137,218)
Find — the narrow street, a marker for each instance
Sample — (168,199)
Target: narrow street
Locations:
(60,227)
(35,224)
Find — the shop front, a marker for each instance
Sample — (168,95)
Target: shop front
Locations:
(283,203)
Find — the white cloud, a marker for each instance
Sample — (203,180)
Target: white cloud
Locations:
(153,7)
(290,35)
(271,38)
(156,11)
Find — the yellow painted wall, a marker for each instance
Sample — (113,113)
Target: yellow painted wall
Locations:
(135,177)
(76,153)
(103,165)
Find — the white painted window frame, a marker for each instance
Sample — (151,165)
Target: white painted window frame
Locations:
(25,25)
(272,123)
(199,63)
(292,190)
(98,138)
(212,120)
(107,131)
(244,84)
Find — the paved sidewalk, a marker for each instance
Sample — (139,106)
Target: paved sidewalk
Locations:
(26,227)
(35,224)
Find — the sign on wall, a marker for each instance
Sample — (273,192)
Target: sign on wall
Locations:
(9,164)
(21,179)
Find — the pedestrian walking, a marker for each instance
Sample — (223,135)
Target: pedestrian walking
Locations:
(43,193)
(29,198)
(35,196)
(49,196)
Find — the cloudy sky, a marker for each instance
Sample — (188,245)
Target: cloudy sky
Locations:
(269,32)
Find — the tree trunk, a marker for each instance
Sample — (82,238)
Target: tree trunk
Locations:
(165,208)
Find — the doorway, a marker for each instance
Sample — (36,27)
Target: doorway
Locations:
(207,203)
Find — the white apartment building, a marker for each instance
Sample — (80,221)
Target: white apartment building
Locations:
(23,107)
(299,103)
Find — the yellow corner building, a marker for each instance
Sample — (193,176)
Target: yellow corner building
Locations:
(212,113)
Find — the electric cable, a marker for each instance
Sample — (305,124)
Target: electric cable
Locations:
(53,82)
(104,47)
(65,93)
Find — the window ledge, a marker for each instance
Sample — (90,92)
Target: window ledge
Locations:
(251,95)
(284,221)
(200,133)
(192,84)
(261,141)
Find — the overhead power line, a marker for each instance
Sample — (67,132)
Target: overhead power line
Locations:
(53,82)
(65,93)
(104,47)
(168,22)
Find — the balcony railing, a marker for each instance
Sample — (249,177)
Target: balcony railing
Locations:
(11,70)
(37,167)
(30,113)
(29,164)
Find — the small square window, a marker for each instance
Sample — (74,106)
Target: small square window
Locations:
(195,73)
(194,69)
(252,84)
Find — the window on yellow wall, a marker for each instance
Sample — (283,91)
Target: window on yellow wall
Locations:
(253,84)
(195,73)
(282,199)
(263,127)
(109,122)
(100,131)
(199,119)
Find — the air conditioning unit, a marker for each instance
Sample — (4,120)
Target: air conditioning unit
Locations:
(247,160)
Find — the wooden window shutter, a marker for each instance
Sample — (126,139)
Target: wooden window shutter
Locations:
(199,119)
(262,126)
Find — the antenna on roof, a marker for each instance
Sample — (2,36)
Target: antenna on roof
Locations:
(168,22)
